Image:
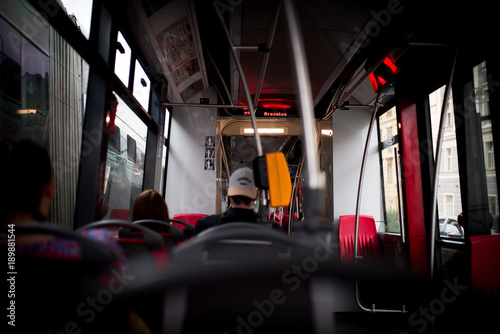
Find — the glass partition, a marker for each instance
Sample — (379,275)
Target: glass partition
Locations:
(449,196)
(124,172)
(389,151)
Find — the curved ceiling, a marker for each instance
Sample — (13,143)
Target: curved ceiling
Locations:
(184,40)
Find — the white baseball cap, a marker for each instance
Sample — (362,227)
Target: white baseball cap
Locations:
(241,183)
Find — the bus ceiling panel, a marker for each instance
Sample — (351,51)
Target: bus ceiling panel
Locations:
(328,27)
(177,35)
(168,36)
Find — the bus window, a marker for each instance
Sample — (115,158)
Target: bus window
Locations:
(42,97)
(125,166)
(142,86)
(481,101)
(122,60)
(389,146)
(80,12)
(166,130)
(449,198)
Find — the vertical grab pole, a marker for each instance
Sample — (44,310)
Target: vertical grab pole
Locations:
(436,168)
(360,184)
(356,226)
(316,182)
(270,41)
(243,82)
(400,197)
(263,193)
(358,201)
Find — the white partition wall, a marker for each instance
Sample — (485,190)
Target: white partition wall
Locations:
(350,128)
(191,183)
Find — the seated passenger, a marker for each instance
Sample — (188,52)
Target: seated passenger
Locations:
(150,205)
(242,193)
(26,191)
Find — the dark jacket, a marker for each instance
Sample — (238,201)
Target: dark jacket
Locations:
(233,215)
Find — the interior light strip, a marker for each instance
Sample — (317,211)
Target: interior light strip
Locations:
(265,130)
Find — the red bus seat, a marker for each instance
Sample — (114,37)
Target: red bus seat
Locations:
(191,218)
(485,264)
(187,228)
(121,214)
(368,244)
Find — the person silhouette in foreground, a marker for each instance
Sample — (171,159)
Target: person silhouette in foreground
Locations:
(26,192)
(242,193)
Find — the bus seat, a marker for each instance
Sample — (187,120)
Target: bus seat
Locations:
(485,264)
(147,255)
(50,289)
(368,244)
(188,229)
(235,243)
(191,218)
(228,260)
(146,248)
(172,235)
(121,214)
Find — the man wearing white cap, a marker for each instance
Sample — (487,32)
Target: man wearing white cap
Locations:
(242,193)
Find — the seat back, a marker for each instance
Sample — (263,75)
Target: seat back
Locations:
(235,243)
(51,290)
(187,229)
(122,214)
(191,218)
(229,261)
(148,251)
(485,264)
(368,244)
(172,235)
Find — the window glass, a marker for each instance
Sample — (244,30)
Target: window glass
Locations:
(122,60)
(163,169)
(388,134)
(165,151)
(449,196)
(142,86)
(80,11)
(124,171)
(167,124)
(481,99)
(42,97)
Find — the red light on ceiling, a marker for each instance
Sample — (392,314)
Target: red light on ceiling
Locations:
(381,80)
(390,64)
(275,103)
(282,104)
(373,81)
(242,104)
(383,74)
